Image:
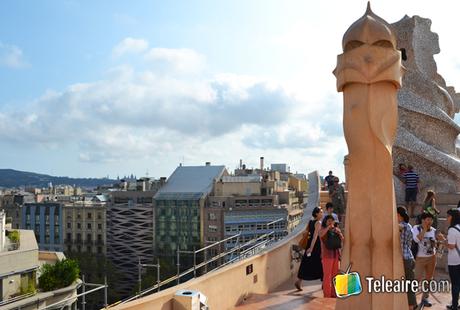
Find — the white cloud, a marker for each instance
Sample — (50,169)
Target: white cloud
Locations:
(11,56)
(160,116)
(183,60)
(130,46)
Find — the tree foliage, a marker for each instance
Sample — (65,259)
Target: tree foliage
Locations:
(59,275)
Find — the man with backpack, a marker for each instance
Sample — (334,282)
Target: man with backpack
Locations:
(424,247)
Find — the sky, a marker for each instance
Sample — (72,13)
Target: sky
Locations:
(97,88)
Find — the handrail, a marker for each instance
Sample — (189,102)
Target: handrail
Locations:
(216,243)
(204,263)
(17,298)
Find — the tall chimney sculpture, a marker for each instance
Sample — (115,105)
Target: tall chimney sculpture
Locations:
(369,74)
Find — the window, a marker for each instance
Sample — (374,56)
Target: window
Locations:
(99,226)
(212,216)
(78,216)
(79,225)
(88,249)
(79,237)
(212,228)
(99,215)
(88,237)
(89,215)
(69,237)
(99,250)
(69,225)
(88,225)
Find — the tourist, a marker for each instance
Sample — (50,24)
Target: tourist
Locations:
(405,231)
(330,255)
(453,257)
(310,266)
(402,168)
(329,181)
(425,261)
(337,194)
(330,211)
(429,205)
(411,180)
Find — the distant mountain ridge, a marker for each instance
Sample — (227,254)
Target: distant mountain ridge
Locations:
(10,178)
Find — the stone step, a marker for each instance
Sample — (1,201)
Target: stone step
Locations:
(449,199)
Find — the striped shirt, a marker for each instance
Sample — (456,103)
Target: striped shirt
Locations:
(411,179)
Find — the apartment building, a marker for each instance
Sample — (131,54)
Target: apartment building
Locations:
(45,219)
(180,205)
(84,226)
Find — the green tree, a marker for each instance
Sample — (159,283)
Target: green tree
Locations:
(63,273)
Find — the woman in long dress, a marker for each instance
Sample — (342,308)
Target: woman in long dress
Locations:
(311,267)
(330,257)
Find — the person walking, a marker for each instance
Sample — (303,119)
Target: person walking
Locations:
(425,261)
(405,235)
(411,180)
(453,256)
(330,256)
(429,205)
(310,266)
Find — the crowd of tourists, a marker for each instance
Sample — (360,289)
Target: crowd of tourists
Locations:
(420,244)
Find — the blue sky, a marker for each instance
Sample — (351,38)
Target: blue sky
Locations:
(95,88)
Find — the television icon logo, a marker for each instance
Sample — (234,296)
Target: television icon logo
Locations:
(347,284)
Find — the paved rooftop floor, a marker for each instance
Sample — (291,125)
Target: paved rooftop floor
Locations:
(286,297)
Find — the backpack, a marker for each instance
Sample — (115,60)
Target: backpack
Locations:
(333,241)
(414,245)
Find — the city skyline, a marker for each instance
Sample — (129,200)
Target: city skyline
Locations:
(96,89)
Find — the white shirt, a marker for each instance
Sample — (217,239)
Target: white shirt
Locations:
(427,246)
(453,237)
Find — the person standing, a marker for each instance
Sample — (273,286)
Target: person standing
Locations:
(425,261)
(329,181)
(330,211)
(411,180)
(453,257)
(429,205)
(405,234)
(329,257)
(310,266)
(337,195)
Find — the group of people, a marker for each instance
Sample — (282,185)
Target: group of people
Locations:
(322,255)
(419,243)
(336,193)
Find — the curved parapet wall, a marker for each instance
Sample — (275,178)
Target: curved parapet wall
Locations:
(427,132)
(314,187)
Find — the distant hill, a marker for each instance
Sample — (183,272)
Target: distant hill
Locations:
(10,178)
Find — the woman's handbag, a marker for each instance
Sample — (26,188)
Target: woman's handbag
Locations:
(304,240)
